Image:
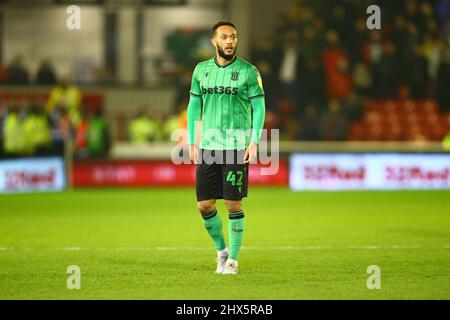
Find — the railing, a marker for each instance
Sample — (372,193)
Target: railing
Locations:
(161,151)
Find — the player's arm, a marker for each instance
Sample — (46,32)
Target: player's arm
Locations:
(256,96)
(258,115)
(193,114)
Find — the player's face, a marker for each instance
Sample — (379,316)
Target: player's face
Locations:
(225,42)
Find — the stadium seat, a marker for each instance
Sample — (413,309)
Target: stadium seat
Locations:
(405,120)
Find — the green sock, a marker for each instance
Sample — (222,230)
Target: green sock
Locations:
(213,225)
(235,232)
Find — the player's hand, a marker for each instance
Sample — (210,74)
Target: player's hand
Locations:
(193,152)
(251,153)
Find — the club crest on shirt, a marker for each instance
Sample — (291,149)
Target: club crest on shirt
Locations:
(234,76)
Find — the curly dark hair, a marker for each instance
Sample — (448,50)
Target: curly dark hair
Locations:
(219,24)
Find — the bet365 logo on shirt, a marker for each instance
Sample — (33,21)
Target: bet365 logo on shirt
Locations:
(221,90)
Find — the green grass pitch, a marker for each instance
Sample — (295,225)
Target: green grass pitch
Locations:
(151,244)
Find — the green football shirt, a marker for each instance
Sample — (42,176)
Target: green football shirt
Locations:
(226,93)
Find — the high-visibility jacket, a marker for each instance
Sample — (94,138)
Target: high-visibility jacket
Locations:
(143,130)
(36,131)
(446,142)
(97,139)
(70,98)
(13,135)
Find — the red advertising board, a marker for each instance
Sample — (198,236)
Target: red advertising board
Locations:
(134,173)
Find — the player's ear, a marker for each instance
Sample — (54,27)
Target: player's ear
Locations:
(213,41)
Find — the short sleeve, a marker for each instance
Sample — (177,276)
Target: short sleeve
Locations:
(195,83)
(255,86)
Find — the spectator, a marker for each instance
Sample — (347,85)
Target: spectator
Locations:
(362,81)
(373,51)
(309,124)
(46,74)
(412,11)
(16,72)
(341,23)
(281,25)
(14,140)
(352,107)
(310,47)
(425,17)
(338,79)
(61,128)
(333,52)
(81,136)
(357,40)
(182,85)
(340,82)
(269,84)
(36,130)
(443,11)
(143,129)
(67,96)
(290,130)
(333,125)
(386,73)
(296,15)
(446,140)
(289,70)
(3,113)
(442,86)
(267,60)
(312,82)
(431,50)
(98,138)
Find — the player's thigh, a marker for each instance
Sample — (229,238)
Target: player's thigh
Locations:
(208,181)
(235,179)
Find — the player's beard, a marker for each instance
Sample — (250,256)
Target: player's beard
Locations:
(225,56)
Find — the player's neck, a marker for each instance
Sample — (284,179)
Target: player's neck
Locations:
(223,62)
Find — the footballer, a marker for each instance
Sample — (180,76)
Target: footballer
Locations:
(227,99)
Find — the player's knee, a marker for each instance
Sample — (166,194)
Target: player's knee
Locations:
(206,207)
(233,206)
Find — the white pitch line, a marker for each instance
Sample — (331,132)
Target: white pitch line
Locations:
(256,248)
(406,247)
(183,248)
(352,247)
(134,248)
(395,246)
(71,249)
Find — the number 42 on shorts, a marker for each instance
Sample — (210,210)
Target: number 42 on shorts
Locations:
(231,177)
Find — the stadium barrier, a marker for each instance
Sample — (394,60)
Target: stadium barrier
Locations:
(302,166)
(369,171)
(141,173)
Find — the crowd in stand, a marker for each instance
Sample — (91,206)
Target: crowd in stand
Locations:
(319,67)
(156,127)
(33,125)
(322,62)
(17,74)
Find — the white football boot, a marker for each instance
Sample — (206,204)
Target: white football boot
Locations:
(221,259)
(231,267)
